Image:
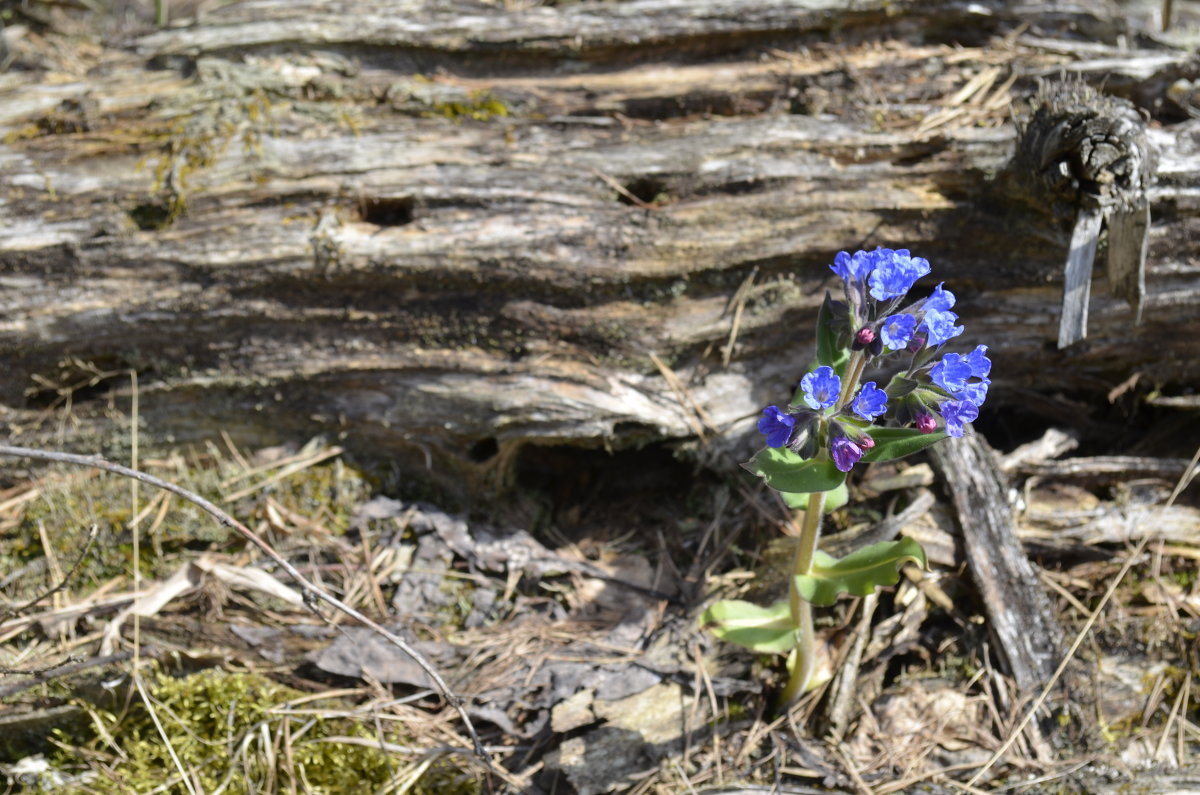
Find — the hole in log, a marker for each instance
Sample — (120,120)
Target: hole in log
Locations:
(484,450)
(589,489)
(396,211)
(150,217)
(648,190)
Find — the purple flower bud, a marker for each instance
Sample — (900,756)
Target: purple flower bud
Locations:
(864,337)
(845,453)
(866,442)
(926,423)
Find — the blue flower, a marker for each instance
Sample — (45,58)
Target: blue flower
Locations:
(975,393)
(940,327)
(777,426)
(821,388)
(956,412)
(940,301)
(981,365)
(853,267)
(897,330)
(895,272)
(951,373)
(871,401)
(845,453)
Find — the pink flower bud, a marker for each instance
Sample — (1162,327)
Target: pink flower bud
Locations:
(926,423)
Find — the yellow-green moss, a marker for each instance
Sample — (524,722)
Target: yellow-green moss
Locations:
(72,501)
(193,143)
(232,731)
(477,105)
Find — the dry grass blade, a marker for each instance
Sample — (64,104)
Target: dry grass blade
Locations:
(738,302)
(693,412)
(310,590)
(141,688)
(290,469)
(1041,699)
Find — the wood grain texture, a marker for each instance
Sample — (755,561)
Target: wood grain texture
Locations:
(1020,615)
(411,225)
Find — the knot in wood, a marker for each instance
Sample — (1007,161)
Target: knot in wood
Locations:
(1086,148)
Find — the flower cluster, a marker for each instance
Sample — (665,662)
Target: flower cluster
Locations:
(833,412)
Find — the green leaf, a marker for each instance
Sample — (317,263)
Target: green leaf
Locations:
(834,498)
(768,630)
(785,471)
(859,573)
(829,352)
(891,443)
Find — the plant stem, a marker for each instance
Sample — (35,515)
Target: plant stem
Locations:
(854,371)
(801,610)
(810,533)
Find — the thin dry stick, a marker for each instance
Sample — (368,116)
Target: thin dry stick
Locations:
(738,302)
(310,591)
(1180,748)
(62,583)
(693,414)
(621,189)
(1166,733)
(135,528)
(43,675)
(1185,479)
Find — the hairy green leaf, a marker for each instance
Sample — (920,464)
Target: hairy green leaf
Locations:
(785,471)
(834,498)
(859,573)
(768,630)
(892,443)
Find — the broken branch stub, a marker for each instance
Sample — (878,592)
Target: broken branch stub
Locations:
(1086,155)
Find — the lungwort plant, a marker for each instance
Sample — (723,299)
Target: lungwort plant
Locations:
(836,420)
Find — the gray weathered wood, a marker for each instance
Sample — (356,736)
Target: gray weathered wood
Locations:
(1020,615)
(411,225)
(1077,276)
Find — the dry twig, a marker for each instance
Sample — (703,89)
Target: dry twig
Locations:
(62,583)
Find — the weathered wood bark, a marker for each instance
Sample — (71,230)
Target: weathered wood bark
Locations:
(443,229)
(1020,614)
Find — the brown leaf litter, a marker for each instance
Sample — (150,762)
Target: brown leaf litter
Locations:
(583,666)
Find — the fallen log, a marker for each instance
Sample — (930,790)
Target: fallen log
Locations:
(443,232)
